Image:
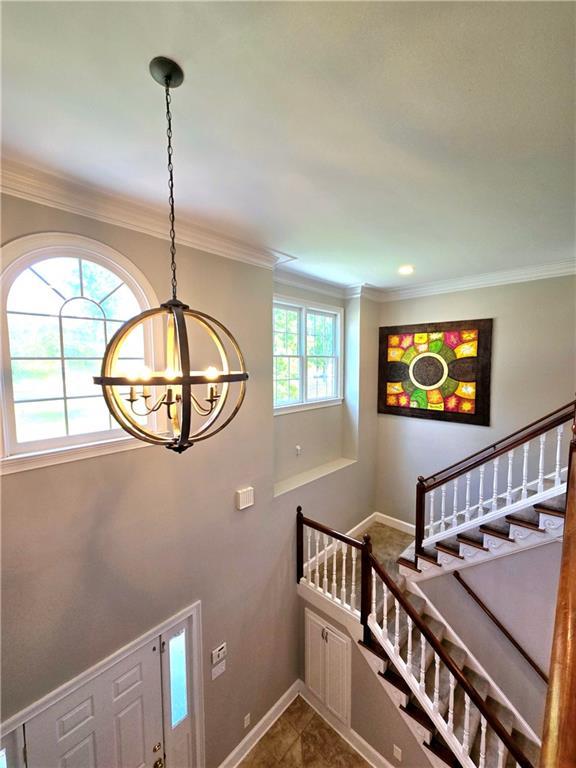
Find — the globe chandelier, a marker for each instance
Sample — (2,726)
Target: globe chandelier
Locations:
(147,378)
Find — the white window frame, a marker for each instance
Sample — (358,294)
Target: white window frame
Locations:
(303,307)
(18,255)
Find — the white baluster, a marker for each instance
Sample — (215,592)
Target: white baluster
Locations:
(422,662)
(308,566)
(509,478)
(443,510)
(431,533)
(385,609)
(317,562)
(436,682)
(501,754)
(495,465)
(451,702)
(353,586)
(482,763)
(481,491)
(526,450)
(466,739)
(455,502)
(374,593)
(325,578)
(557,470)
(541,464)
(343,585)
(334,559)
(467,510)
(409,650)
(396,626)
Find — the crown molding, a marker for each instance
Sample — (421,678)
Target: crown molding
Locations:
(486,280)
(298,280)
(72,196)
(363,291)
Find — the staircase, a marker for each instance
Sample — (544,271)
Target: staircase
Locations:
(458,712)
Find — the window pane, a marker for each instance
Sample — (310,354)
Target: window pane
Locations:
(87,414)
(83,338)
(178,679)
(279,319)
(291,343)
(321,378)
(82,308)
(30,294)
(79,375)
(63,274)
(3,759)
(320,333)
(97,281)
(292,321)
(122,305)
(39,421)
(34,379)
(33,336)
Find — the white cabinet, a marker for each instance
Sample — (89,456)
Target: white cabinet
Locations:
(328,665)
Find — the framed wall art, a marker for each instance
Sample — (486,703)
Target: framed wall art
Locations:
(436,371)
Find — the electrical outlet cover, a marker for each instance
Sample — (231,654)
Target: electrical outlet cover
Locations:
(219,669)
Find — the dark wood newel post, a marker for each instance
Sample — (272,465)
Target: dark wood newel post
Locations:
(299,544)
(420,503)
(366,586)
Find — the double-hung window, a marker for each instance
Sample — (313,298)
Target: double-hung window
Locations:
(307,354)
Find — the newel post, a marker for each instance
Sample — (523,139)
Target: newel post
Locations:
(420,509)
(366,586)
(299,544)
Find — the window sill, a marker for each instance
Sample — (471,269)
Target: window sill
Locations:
(25,461)
(296,481)
(280,411)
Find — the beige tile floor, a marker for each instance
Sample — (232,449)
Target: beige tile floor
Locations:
(300,738)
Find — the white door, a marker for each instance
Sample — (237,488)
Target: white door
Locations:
(315,652)
(178,685)
(337,695)
(12,749)
(112,721)
(328,674)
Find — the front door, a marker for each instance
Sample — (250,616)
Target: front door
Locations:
(112,721)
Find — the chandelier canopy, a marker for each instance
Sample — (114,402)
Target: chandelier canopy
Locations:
(147,378)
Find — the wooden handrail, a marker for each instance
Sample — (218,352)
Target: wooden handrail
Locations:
(330,532)
(553,419)
(459,676)
(559,739)
(501,627)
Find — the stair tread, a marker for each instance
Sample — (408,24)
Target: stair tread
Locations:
(523,523)
(556,505)
(472,539)
(375,648)
(408,564)
(528,747)
(506,718)
(392,677)
(437,629)
(441,750)
(416,712)
(529,515)
(499,528)
(450,549)
(481,686)
(458,656)
(430,555)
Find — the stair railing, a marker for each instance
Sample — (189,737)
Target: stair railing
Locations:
(559,740)
(428,691)
(317,548)
(502,475)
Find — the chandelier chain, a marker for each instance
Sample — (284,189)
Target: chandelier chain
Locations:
(171,189)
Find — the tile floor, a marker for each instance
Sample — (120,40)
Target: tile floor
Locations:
(300,738)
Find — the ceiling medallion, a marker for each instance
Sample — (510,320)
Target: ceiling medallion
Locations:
(148,380)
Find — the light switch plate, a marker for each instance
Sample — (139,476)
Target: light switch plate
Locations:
(219,669)
(219,653)
(397,753)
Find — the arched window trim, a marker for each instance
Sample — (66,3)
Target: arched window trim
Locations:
(18,255)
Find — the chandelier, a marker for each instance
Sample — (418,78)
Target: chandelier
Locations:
(147,378)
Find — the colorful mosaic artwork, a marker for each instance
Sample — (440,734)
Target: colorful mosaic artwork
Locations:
(436,371)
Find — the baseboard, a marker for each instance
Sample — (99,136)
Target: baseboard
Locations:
(393,522)
(349,735)
(239,753)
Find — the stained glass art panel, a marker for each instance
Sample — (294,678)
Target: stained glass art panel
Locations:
(436,371)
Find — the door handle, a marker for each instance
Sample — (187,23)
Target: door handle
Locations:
(157,747)
(159,763)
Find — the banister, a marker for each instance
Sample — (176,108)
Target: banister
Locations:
(461,679)
(500,626)
(559,739)
(330,532)
(505,444)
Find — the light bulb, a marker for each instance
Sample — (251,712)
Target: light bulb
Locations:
(211,372)
(406,269)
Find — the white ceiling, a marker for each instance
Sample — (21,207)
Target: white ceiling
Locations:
(354,136)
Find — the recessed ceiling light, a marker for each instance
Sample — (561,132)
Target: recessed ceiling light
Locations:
(406,269)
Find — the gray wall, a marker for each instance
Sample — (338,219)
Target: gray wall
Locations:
(97,551)
(520,590)
(533,372)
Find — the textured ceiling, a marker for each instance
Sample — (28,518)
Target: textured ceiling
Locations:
(354,136)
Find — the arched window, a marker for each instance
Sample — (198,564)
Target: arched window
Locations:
(63,297)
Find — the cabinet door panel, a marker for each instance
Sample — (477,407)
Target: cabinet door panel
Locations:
(315,655)
(337,675)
